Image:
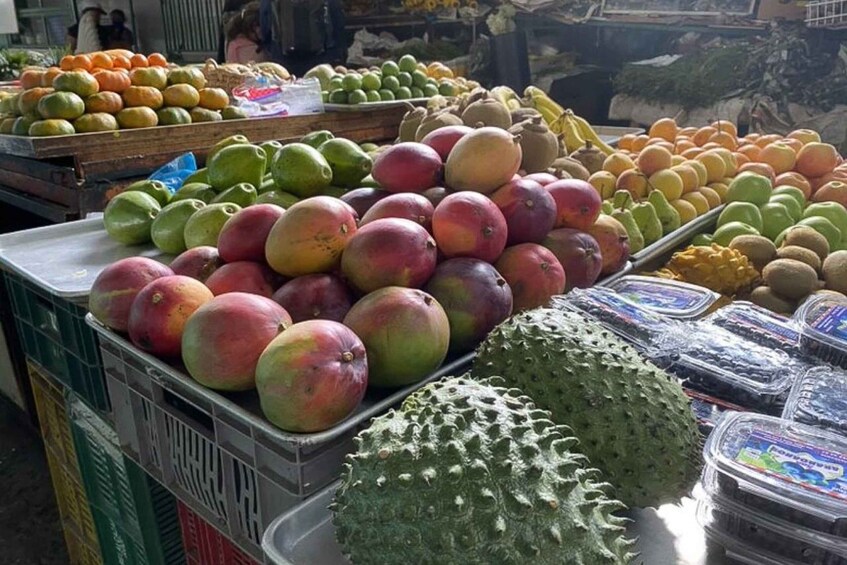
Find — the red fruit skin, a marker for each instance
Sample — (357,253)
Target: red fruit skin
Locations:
(577,203)
(469,224)
(613,241)
(362,199)
(315,297)
(408,167)
(116,287)
(578,253)
(443,139)
(529,210)
(833,191)
(408,206)
(475,297)
(160,311)
(312,376)
(542,178)
(244,276)
(224,338)
(243,236)
(389,252)
(533,273)
(198,263)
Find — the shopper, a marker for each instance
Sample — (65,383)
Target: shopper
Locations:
(231,9)
(87,35)
(120,36)
(243,36)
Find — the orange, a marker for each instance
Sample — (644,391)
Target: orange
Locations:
(805,136)
(689,177)
(711,145)
(766,140)
(82,62)
(217,99)
(49,75)
(140,117)
(181,95)
(617,163)
(725,140)
(794,144)
(725,126)
(78,82)
(751,152)
(691,153)
(95,122)
(656,140)
(625,142)
(104,102)
(702,136)
(121,62)
(752,137)
(101,61)
(779,155)
(759,168)
(700,169)
(119,53)
(711,195)
(28,100)
(653,159)
(112,81)
(665,128)
(683,145)
(728,160)
(741,158)
(687,131)
(67,63)
(639,142)
(149,76)
(31,78)
(143,96)
(157,60)
(796,180)
(816,159)
(139,61)
(715,165)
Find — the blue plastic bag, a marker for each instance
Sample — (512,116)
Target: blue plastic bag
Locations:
(174,173)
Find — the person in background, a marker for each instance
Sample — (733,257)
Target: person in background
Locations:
(120,36)
(87,35)
(243,36)
(231,9)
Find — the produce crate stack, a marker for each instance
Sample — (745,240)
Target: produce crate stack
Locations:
(77,521)
(135,517)
(204,545)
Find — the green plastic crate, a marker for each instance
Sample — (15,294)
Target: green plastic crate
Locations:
(53,332)
(136,518)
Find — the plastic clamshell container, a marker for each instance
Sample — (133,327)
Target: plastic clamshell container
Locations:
(637,325)
(674,299)
(823,328)
(819,398)
(787,470)
(722,364)
(759,325)
(709,410)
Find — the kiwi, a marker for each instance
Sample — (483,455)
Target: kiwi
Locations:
(835,271)
(790,278)
(489,112)
(434,120)
(801,254)
(573,167)
(520,114)
(804,236)
(767,298)
(758,249)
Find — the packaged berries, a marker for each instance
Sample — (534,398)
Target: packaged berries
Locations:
(822,321)
(819,398)
(759,325)
(674,299)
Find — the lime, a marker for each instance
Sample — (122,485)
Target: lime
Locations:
(168,229)
(390,68)
(417,92)
(408,63)
(338,97)
(404,93)
(324,96)
(419,79)
(357,97)
(371,81)
(405,79)
(391,83)
(386,95)
(447,89)
(129,215)
(335,83)
(373,96)
(351,82)
(430,90)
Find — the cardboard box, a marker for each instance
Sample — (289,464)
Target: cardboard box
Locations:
(781,9)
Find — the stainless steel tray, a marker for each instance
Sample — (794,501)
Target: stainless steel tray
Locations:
(613,134)
(373,106)
(669,535)
(64,259)
(676,239)
(615,276)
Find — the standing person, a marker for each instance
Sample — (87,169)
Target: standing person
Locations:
(243,36)
(120,36)
(231,9)
(87,35)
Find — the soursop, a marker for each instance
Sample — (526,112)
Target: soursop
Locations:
(632,419)
(468,472)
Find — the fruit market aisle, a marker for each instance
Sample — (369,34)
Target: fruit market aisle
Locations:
(30,530)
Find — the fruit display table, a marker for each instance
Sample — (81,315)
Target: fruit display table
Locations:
(66,177)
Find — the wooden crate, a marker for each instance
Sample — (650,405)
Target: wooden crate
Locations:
(64,178)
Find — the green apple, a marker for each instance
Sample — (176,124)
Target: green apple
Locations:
(775,219)
(749,187)
(794,209)
(704,239)
(793,192)
(731,230)
(744,212)
(832,211)
(824,227)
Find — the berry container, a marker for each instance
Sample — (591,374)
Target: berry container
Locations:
(674,299)
(708,410)
(760,326)
(781,470)
(819,398)
(822,321)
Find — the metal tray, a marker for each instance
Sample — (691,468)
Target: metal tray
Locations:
(613,134)
(64,259)
(373,106)
(668,535)
(676,238)
(615,276)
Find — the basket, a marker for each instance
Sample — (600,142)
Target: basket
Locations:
(826,13)
(227,77)
(204,545)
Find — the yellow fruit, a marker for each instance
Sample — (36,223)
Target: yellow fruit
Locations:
(715,166)
(98,121)
(213,98)
(80,83)
(699,201)
(617,163)
(718,268)
(156,77)
(143,96)
(728,160)
(139,117)
(653,158)
(687,211)
(50,127)
(721,188)
(711,195)
(677,160)
(604,183)
(181,95)
(690,178)
(667,182)
(700,169)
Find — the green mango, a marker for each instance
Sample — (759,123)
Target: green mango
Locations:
(282,199)
(168,229)
(271,148)
(226,142)
(243,194)
(129,215)
(235,164)
(317,138)
(348,162)
(197,190)
(154,188)
(200,175)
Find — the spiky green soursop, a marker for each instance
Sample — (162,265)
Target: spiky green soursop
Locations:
(632,419)
(469,472)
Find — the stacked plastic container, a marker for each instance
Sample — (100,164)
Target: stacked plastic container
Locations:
(822,323)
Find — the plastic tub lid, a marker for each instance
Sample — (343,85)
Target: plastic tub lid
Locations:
(824,318)
(786,462)
(746,317)
(819,398)
(674,299)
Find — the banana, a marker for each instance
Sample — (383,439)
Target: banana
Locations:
(589,134)
(570,132)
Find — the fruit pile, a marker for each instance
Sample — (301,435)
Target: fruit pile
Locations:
(406,79)
(111,90)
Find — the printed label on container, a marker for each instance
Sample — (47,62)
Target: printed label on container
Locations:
(625,309)
(662,297)
(813,468)
(776,329)
(832,321)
